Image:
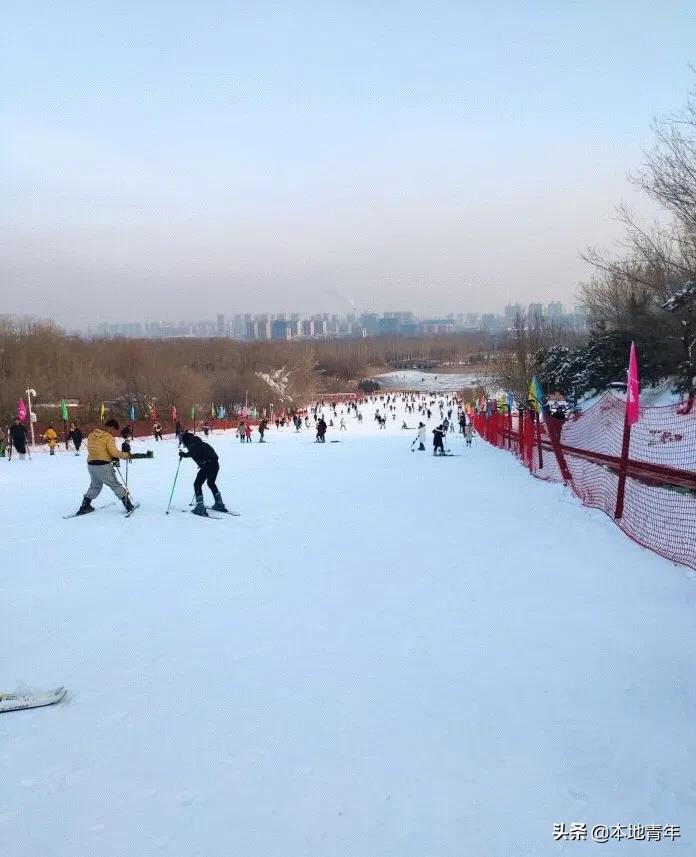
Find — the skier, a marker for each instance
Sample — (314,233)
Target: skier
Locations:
(208,468)
(321,430)
(241,432)
(420,438)
(438,440)
(126,434)
(51,438)
(75,436)
(206,428)
(157,431)
(342,425)
(101,453)
(247,432)
(177,429)
(263,425)
(468,431)
(18,438)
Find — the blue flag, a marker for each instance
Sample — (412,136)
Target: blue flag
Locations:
(511,402)
(536,396)
(132,412)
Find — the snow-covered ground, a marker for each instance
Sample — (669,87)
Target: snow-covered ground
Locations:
(414,379)
(386,655)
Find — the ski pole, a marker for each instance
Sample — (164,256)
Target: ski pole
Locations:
(120,479)
(176,476)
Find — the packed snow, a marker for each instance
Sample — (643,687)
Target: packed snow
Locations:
(424,382)
(388,654)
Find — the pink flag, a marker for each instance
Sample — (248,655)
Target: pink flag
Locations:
(173,412)
(632,392)
(21,410)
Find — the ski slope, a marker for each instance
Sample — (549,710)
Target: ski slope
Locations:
(386,655)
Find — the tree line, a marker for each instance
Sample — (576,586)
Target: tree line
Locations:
(195,372)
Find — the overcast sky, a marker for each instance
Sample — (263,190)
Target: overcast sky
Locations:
(176,160)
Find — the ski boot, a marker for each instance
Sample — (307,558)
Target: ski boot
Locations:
(127,505)
(199,508)
(218,505)
(86,507)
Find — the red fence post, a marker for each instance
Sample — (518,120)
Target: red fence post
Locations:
(554,428)
(621,488)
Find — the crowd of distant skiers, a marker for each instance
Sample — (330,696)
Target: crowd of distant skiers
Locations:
(104,456)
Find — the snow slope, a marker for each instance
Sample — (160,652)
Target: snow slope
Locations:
(387,654)
(414,379)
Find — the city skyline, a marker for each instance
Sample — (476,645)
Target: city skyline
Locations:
(286,326)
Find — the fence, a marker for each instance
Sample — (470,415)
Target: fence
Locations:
(648,486)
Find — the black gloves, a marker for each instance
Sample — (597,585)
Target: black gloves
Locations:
(182,454)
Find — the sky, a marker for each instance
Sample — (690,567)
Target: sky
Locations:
(177,160)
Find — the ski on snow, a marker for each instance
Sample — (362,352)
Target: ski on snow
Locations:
(212,514)
(96,509)
(135,506)
(30,699)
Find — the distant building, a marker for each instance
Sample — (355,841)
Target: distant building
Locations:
(473,319)
(281,329)
(388,326)
(436,326)
(511,312)
(488,321)
(535,311)
(370,323)
(554,310)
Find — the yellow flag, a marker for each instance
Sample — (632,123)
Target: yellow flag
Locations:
(102,411)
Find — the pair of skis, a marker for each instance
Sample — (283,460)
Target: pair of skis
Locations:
(98,508)
(212,514)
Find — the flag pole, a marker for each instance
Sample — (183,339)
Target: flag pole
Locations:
(621,488)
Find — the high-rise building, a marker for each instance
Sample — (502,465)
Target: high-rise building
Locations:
(369,322)
(535,311)
(555,310)
(511,312)
(281,329)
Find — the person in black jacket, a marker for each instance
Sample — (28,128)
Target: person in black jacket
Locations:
(208,467)
(438,440)
(75,435)
(321,430)
(18,437)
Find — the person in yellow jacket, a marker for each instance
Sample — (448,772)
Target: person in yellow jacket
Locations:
(101,453)
(51,438)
